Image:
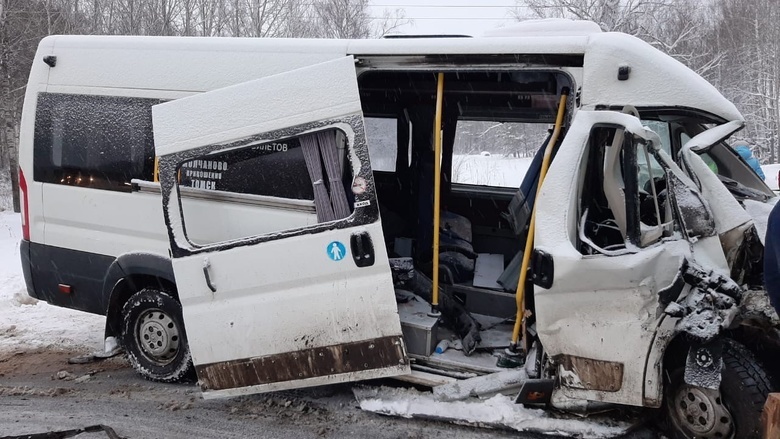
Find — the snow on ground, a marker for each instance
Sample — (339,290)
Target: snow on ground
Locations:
(490,170)
(26,323)
(771,174)
(499,411)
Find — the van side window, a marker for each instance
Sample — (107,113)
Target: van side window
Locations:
(494,152)
(263,187)
(275,169)
(598,225)
(382,136)
(100,142)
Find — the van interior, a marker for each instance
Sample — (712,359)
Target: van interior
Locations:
(494,127)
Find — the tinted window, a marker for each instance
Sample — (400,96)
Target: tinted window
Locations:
(276,169)
(100,142)
(309,177)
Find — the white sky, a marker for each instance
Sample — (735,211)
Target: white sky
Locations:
(470,17)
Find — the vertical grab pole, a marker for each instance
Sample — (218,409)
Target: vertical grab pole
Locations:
(437,192)
(529,240)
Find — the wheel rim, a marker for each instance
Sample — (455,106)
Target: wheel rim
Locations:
(700,413)
(158,336)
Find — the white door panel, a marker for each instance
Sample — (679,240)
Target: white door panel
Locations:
(609,317)
(293,308)
(290,298)
(599,317)
(254,107)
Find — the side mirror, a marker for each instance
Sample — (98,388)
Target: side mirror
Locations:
(696,218)
(705,140)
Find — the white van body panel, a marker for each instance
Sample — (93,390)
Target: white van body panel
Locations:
(158,63)
(665,81)
(38,82)
(210,117)
(184,64)
(278,299)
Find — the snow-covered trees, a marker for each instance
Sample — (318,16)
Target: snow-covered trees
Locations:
(735,44)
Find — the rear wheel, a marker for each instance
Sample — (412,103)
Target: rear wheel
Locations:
(154,338)
(733,411)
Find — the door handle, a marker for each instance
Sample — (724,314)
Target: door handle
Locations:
(362,249)
(542,269)
(206,266)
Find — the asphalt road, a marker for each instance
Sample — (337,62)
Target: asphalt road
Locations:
(40,393)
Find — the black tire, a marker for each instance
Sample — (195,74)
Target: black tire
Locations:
(154,338)
(733,411)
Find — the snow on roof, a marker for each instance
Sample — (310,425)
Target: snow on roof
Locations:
(195,64)
(665,82)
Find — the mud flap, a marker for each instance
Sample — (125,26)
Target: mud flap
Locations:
(704,364)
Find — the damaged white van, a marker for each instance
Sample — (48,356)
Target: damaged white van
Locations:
(320,211)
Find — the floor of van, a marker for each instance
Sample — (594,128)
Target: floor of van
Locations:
(424,333)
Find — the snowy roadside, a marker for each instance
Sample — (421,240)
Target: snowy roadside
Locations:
(26,323)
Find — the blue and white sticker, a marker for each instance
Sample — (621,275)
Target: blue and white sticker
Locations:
(336,251)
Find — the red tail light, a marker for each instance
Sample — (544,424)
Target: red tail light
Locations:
(25,210)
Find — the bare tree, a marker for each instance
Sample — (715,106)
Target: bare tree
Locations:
(674,26)
(748,35)
(351,19)
(22,24)
(342,18)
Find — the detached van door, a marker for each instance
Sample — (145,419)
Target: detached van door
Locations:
(275,235)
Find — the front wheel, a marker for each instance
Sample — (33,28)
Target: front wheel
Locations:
(154,338)
(733,411)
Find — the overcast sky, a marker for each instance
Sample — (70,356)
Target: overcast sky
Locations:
(471,17)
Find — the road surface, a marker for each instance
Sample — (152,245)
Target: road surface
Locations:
(40,392)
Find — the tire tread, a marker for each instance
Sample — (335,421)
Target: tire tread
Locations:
(184,369)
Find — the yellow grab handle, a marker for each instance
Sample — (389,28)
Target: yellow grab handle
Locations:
(437,188)
(529,241)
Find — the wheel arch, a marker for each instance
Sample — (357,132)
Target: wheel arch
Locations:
(130,273)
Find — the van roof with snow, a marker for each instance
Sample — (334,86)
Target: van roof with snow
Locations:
(603,64)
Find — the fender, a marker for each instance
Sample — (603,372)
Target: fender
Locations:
(119,283)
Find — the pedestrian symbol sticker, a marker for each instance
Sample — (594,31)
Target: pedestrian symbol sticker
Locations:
(336,251)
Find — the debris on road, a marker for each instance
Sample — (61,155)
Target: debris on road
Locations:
(498,412)
(63,434)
